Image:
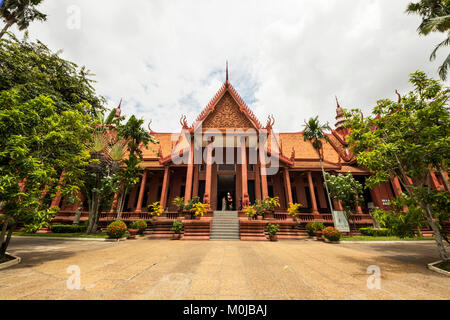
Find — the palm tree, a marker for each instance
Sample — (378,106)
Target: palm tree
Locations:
(435,18)
(21,13)
(313,131)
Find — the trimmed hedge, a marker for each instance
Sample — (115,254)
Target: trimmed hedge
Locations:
(370,231)
(116,229)
(67,228)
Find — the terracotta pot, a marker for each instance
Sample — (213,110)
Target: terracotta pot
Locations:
(176,236)
(268,215)
(273,237)
(318,235)
(260,217)
(187,216)
(133,233)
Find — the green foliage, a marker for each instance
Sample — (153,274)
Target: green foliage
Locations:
(435,18)
(346,189)
(21,13)
(273,229)
(39,219)
(407,139)
(370,231)
(67,228)
(177,226)
(116,229)
(141,225)
(134,225)
(3,219)
(315,132)
(331,233)
(155,209)
(179,203)
(32,70)
(310,228)
(192,202)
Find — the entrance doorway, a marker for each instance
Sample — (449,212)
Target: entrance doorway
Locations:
(226,183)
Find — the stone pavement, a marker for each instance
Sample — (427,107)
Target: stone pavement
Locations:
(165,269)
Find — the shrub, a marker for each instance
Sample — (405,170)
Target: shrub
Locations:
(116,229)
(142,225)
(191,203)
(177,226)
(67,228)
(309,228)
(250,211)
(272,229)
(318,226)
(331,233)
(370,231)
(271,203)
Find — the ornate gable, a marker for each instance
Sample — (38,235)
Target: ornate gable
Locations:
(227,114)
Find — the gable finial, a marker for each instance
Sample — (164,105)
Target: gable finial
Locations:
(118,110)
(227,72)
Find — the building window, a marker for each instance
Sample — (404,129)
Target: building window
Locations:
(250,168)
(226,167)
(202,167)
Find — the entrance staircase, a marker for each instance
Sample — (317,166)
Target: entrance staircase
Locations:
(225,226)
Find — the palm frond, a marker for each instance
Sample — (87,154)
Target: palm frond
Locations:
(446,42)
(443,69)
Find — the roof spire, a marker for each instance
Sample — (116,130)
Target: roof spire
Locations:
(227,71)
(337,102)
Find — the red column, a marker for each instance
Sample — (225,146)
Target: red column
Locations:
(245,198)
(435,182)
(189,174)
(165,188)
(262,160)
(207,196)
(311,193)
(287,183)
(141,192)
(397,187)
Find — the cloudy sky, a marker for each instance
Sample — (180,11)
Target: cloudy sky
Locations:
(287,58)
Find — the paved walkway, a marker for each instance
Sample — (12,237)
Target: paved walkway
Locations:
(164,269)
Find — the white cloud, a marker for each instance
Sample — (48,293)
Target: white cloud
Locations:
(288,58)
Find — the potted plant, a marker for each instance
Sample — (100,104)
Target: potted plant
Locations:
(331,235)
(155,209)
(310,229)
(250,212)
(273,229)
(142,225)
(293,210)
(270,204)
(260,207)
(133,230)
(176,228)
(179,203)
(318,227)
(188,207)
(199,209)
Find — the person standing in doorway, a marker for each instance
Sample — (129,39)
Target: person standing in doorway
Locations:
(230,201)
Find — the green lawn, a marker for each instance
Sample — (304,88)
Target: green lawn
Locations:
(386,238)
(64,235)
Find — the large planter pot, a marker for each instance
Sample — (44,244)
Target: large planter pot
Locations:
(176,236)
(273,237)
(133,233)
(318,235)
(268,214)
(260,217)
(187,215)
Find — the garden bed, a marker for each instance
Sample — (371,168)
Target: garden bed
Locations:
(384,238)
(61,235)
(440,267)
(9,260)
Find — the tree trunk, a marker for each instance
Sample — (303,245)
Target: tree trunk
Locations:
(3,234)
(444,179)
(5,28)
(5,244)
(434,227)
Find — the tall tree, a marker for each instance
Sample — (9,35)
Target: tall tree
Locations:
(21,13)
(37,144)
(435,18)
(314,132)
(130,174)
(409,140)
